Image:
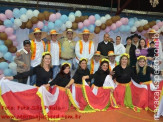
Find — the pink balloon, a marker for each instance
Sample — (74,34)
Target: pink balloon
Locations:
(86,22)
(58,15)
(3,17)
(2,28)
(91,19)
(52,17)
(159,24)
(15,43)
(9,31)
(9,14)
(40,24)
(113,26)
(12,37)
(124,21)
(80,25)
(107,29)
(155,27)
(118,23)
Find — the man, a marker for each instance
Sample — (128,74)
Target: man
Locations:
(84,48)
(118,48)
(54,47)
(68,47)
(24,60)
(112,62)
(105,46)
(135,39)
(37,48)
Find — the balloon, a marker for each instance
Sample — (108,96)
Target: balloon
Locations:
(40,24)
(46,14)
(8,72)
(77,19)
(35,13)
(107,29)
(1,42)
(58,15)
(74,26)
(15,27)
(116,30)
(3,49)
(155,27)
(8,14)
(82,18)
(103,26)
(1,72)
(118,23)
(53,17)
(2,28)
(24,18)
(8,23)
(8,43)
(103,19)
(97,30)
(114,19)
(133,29)
(16,13)
(15,43)
(98,23)
(140,29)
(3,17)
(68,24)
(137,24)
(124,21)
(1,55)
(113,26)
(23,11)
(109,22)
(12,37)
(12,65)
(127,28)
(92,19)
(23,26)
(45,29)
(160,24)
(3,65)
(50,25)
(71,18)
(3,36)
(78,13)
(107,16)
(146,27)
(117,18)
(34,20)
(91,28)
(29,24)
(58,23)
(131,22)
(9,31)
(80,25)
(1,22)
(86,23)
(122,28)
(63,27)
(97,16)
(41,17)
(18,22)
(8,56)
(29,14)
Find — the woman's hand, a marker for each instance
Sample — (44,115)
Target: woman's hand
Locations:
(85,77)
(9,77)
(112,73)
(67,87)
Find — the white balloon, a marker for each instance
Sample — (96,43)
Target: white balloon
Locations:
(14,72)
(137,23)
(13,66)
(35,13)
(133,29)
(98,23)
(68,24)
(29,14)
(107,16)
(103,19)
(78,13)
(1,55)
(24,18)
(63,27)
(18,22)
(71,18)
(15,27)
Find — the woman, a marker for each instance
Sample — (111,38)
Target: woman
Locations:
(76,94)
(56,97)
(126,90)
(144,73)
(99,96)
(43,72)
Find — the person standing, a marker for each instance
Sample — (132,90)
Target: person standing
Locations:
(135,40)
(105,46)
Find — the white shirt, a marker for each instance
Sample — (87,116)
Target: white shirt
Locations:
(54,49)
(85,52)
(112,65)
(105,42)
(38,56)
(119,49)
(96,66)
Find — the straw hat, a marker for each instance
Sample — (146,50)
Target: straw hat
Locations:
(69,30)
(86,31)
(53,32)
(111,53)
(151,31)
(98,53)
(37,30)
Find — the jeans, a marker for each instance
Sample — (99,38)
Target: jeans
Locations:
(56,70)
(32,79)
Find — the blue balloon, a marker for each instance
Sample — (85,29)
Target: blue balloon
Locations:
(3,49)
(45,29)
(3,65)
(12,20)
(158,21)
(116,30)
(71,13)
(23,11)
(64,18)
(8,56)
(8,72)
(1,42)
(84,28)
(16,13)
(8,23)
(122,28)
(58,23)
(131,22)
(97,16)
(50,25)
(91,28)
(127,28)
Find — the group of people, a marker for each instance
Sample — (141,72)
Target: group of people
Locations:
(114,75)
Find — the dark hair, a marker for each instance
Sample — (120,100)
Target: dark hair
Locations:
(139,47)
(26,42)
(118,36)
(63,67)
(80,62)
(102,64)
(128,38)
(152,42)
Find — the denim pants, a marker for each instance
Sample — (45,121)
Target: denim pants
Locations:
(32,79)
(56,70)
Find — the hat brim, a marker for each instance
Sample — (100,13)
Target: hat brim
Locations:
(65,33)
(91,35)
(58,36)
(32,36)
(113,55)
